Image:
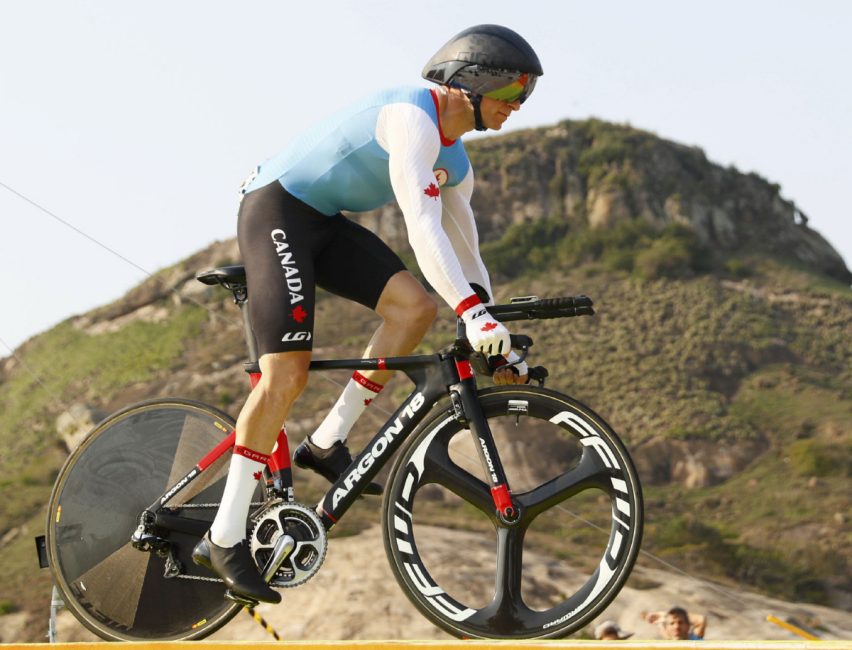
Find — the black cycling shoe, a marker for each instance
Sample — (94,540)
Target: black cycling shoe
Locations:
(236,568)
(328,463)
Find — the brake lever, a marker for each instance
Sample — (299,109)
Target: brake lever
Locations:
(520,342)
(539,374)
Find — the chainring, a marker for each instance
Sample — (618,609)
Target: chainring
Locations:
(306,529)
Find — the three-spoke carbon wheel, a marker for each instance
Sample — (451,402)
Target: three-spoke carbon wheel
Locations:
(554,569)
(125,463)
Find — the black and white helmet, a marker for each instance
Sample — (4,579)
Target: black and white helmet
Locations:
(487,60)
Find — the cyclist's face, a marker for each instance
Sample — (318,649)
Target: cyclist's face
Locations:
(496,112)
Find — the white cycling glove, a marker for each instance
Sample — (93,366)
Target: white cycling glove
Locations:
(485,333)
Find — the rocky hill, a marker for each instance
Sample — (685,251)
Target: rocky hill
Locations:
(720,352)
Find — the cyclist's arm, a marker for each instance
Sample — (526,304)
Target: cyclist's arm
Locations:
(459,224)
(413,143)
(460,227)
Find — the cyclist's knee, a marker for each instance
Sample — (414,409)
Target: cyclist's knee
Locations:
(415,314)
(406,304)
(424,310)
(284,375)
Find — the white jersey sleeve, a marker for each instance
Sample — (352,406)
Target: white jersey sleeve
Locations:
(460,227)
(413,143)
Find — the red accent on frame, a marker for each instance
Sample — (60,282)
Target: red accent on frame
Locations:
(251,454)
(254,378)
(280,457)
(383,364)
(467,303)
(464,368)
(329,516)
(501,497)
(366,383)
(444,140)
(218,450)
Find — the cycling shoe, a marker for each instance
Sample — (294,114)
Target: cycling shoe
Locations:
(236,568)
(328,463)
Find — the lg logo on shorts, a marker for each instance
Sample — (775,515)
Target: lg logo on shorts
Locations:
(296,336)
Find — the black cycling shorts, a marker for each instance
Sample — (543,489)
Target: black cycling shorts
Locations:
(288,248)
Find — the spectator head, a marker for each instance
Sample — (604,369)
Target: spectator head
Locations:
(676,624)
(609,631)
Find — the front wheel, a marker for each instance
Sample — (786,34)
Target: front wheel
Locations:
(560,564)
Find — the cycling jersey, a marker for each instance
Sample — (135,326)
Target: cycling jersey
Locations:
(342,163)
(388,146)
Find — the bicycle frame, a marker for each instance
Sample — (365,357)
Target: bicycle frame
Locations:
(434,376)
(447,373)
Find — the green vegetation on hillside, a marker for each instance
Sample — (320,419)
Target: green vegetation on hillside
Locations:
(72,366)
(634,247)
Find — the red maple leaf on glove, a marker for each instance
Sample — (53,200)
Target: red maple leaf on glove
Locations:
(299,314)
(488,327)
(432,191)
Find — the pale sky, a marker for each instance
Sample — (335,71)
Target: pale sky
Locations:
(136,122)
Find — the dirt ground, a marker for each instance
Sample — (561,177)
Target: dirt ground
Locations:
(355,596)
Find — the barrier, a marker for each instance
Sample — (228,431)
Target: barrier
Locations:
(453,645)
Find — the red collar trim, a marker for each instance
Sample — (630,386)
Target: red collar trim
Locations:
(444,141)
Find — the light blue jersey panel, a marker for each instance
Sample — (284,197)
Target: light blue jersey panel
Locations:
(338,165)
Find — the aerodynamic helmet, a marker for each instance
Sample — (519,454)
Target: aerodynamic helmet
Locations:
(487,60)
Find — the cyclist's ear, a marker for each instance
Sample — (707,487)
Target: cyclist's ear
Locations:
(481,293)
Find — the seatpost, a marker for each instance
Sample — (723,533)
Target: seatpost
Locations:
(241,299)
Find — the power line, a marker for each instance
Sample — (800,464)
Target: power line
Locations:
(18,358)
(125,259)
(75,228)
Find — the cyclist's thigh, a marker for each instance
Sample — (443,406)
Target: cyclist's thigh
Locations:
(279,237)
(356,264)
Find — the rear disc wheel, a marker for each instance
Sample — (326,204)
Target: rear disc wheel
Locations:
(123,465)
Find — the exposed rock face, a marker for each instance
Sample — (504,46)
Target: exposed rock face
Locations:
(73,425)
(692,463)
(599,174)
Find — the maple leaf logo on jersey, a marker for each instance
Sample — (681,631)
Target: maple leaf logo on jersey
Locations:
(488,327)
(257,475)
(367,402)
(299,314)
(432,191)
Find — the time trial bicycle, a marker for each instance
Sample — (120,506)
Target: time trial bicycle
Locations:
(519,465)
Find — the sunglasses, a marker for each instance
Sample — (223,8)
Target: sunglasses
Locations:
(504,85)
(515,91)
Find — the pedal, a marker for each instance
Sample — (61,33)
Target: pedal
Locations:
(242,600)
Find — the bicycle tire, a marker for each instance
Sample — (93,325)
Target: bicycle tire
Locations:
(120,468)
(489,584)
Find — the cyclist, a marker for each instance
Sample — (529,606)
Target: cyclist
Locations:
(402,143)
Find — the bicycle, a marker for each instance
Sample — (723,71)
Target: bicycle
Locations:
(119,540)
